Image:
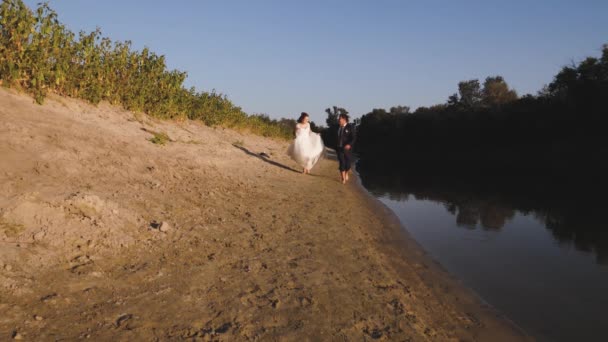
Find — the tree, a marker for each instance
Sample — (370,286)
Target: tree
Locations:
(470,93)
(333,114)
(330,134)
(496,92)
(453,100)
(399,110)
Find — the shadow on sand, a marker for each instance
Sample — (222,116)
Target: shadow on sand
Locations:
(271,162)
(328,154)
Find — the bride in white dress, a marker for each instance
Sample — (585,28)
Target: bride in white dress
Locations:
(307,148)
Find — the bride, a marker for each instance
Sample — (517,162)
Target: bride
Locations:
(307,147)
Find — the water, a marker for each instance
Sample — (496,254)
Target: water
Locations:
(537,250)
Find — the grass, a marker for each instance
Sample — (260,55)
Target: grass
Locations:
(160,138)
(10,229)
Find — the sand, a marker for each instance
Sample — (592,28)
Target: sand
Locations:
(105,235)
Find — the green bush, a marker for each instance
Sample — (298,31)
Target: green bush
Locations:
(160,138)
(38,54)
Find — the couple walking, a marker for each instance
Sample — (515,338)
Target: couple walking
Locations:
(307,148)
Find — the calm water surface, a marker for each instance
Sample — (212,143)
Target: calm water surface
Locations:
(536,252)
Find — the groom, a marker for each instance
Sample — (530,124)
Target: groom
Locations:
(346,140)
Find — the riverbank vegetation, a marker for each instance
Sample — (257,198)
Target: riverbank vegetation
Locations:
(489,128)
(39,55)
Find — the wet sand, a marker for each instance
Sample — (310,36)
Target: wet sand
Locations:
(253,250)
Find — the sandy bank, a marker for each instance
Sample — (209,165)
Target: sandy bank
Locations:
(254,250)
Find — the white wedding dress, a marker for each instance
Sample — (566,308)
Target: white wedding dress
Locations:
(307,148)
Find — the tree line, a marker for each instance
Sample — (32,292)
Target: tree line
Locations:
(38,55)
(488,127)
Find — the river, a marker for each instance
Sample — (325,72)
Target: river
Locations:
(536,250)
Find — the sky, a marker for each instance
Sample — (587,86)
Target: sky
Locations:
(285,57)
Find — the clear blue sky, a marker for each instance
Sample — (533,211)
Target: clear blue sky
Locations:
(285,57)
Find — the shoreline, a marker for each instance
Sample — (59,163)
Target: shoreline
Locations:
(251,250)
(412,250)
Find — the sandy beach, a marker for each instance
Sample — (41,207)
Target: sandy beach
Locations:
(108,236)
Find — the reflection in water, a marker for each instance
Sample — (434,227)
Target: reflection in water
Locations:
(535,248)
(572,211)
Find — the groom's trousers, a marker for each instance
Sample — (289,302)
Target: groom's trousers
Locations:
(343,158)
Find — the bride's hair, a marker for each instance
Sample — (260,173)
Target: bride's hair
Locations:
(302,116)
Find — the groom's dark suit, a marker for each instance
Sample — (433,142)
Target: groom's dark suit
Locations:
(346,136)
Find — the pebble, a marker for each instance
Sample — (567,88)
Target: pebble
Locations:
(8,267)
(164,227)
(17,336)
(38,318)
